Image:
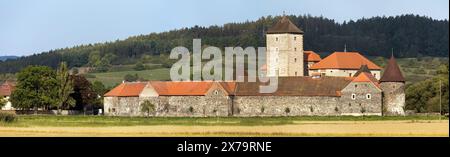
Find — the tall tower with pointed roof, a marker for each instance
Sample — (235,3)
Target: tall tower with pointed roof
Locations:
(284,43)
(393,85)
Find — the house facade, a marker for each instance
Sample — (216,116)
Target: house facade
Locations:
(6,89)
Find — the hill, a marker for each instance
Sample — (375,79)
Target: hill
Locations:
(4,58)
(408,35)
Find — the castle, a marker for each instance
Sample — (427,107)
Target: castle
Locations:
(343,83)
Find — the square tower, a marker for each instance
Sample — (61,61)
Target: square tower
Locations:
(284,49)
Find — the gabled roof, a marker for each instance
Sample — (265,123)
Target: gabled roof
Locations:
(363,68)
(345,60)
(392,73)
(284,26)
(127,89)
(7,88)
(297,86)
(366,77)
(311,56)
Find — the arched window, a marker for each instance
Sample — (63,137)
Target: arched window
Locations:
(353,96)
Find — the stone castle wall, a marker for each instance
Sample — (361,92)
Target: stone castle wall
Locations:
(218,104)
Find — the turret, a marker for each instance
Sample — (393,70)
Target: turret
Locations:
(393,85)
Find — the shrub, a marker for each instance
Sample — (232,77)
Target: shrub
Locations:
(7,117)
(287,110)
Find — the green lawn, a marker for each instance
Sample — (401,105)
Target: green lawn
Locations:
(113,78)
(101,121)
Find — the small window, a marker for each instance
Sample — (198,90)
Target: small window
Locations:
(356,86)
(295,38)
(368,96)
(295,59)
(113,109)
(276,49)
(374,75)
(393,86)
(216,92)
(350,75)
(276,38)
(353,96)
(331,71)
(295,49)
(295,73)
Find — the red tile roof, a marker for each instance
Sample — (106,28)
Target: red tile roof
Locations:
(366,77)
(7,88)
(311,56)
(127,89)
(180,88)
(345,60)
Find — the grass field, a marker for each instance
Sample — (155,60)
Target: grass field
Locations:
(225,126)
(112,78)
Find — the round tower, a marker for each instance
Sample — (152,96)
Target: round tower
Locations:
(284,43)
(393,85)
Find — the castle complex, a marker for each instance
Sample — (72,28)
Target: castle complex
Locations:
(343,83)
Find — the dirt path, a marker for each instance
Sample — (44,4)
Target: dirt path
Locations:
(303,128)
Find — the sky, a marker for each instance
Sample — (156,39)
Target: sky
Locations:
(30,26)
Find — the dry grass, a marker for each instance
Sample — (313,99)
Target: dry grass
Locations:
(299,128)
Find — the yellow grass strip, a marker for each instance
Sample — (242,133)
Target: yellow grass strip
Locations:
(303,128)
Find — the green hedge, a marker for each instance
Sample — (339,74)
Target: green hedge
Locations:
(7,117)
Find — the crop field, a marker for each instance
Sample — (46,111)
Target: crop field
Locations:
(101,126)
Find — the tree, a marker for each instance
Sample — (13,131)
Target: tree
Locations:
(65,88)
(147,107)
(36,88)
(424,96)
(85,97)
(131,78)
(139,66)
(2,101)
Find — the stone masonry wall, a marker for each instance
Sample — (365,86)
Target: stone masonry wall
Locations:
(361,104)
(217,103)
(394,98)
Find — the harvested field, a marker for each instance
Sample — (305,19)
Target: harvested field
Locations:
(297,128)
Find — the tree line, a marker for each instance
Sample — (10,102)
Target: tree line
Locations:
(408,35)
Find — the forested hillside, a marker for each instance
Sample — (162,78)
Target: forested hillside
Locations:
(408,35)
